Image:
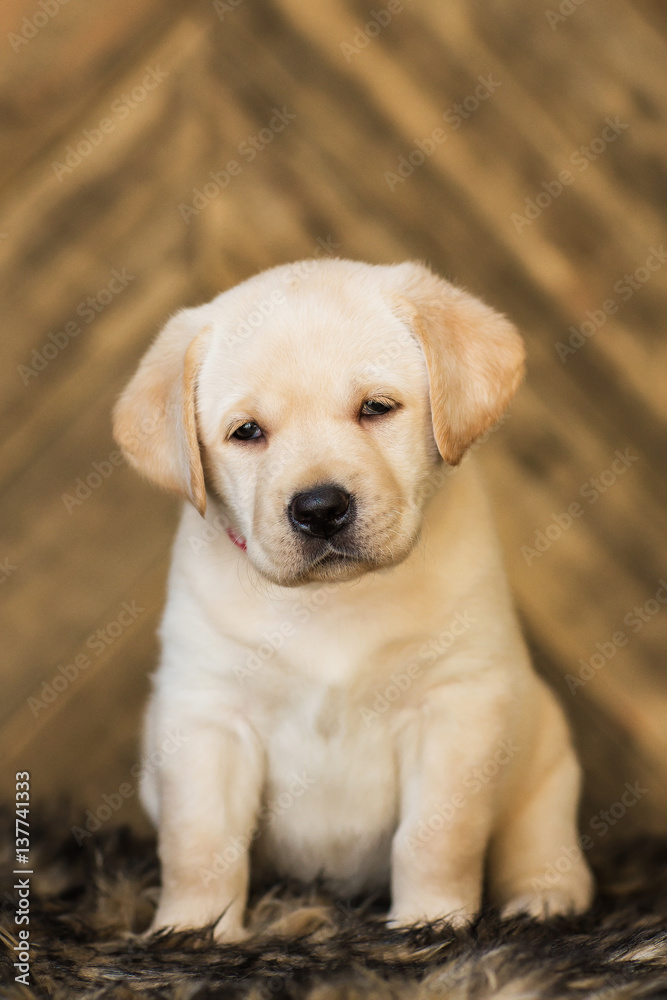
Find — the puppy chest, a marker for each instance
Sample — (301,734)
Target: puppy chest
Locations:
(330,800)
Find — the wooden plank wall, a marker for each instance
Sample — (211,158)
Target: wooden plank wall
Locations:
(114,114)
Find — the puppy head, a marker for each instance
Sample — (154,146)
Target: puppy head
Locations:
(313,401)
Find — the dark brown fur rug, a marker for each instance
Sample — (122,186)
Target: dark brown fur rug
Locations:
(88,905)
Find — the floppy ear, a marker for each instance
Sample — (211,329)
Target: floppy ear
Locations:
(474,357)
(155,419)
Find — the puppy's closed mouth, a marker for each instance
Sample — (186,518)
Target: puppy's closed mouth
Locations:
(333,555)
(331,563)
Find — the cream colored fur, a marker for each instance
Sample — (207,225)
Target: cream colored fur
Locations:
(369,717)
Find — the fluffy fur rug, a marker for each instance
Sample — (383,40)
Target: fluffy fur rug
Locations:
(88,904)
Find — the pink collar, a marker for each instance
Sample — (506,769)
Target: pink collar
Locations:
(238,540)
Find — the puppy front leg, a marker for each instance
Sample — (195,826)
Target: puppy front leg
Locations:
(209,796)
(440,843)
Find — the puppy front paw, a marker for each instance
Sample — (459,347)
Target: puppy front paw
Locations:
(227,930)
(230,932)
(545,903)
(455,912)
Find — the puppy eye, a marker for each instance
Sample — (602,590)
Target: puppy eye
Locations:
(375,408)
(248,431)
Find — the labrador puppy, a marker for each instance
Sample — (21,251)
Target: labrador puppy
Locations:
(340,656)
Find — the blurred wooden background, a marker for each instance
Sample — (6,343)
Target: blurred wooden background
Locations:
(114,114)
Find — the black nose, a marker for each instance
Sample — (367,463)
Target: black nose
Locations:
(320,512)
